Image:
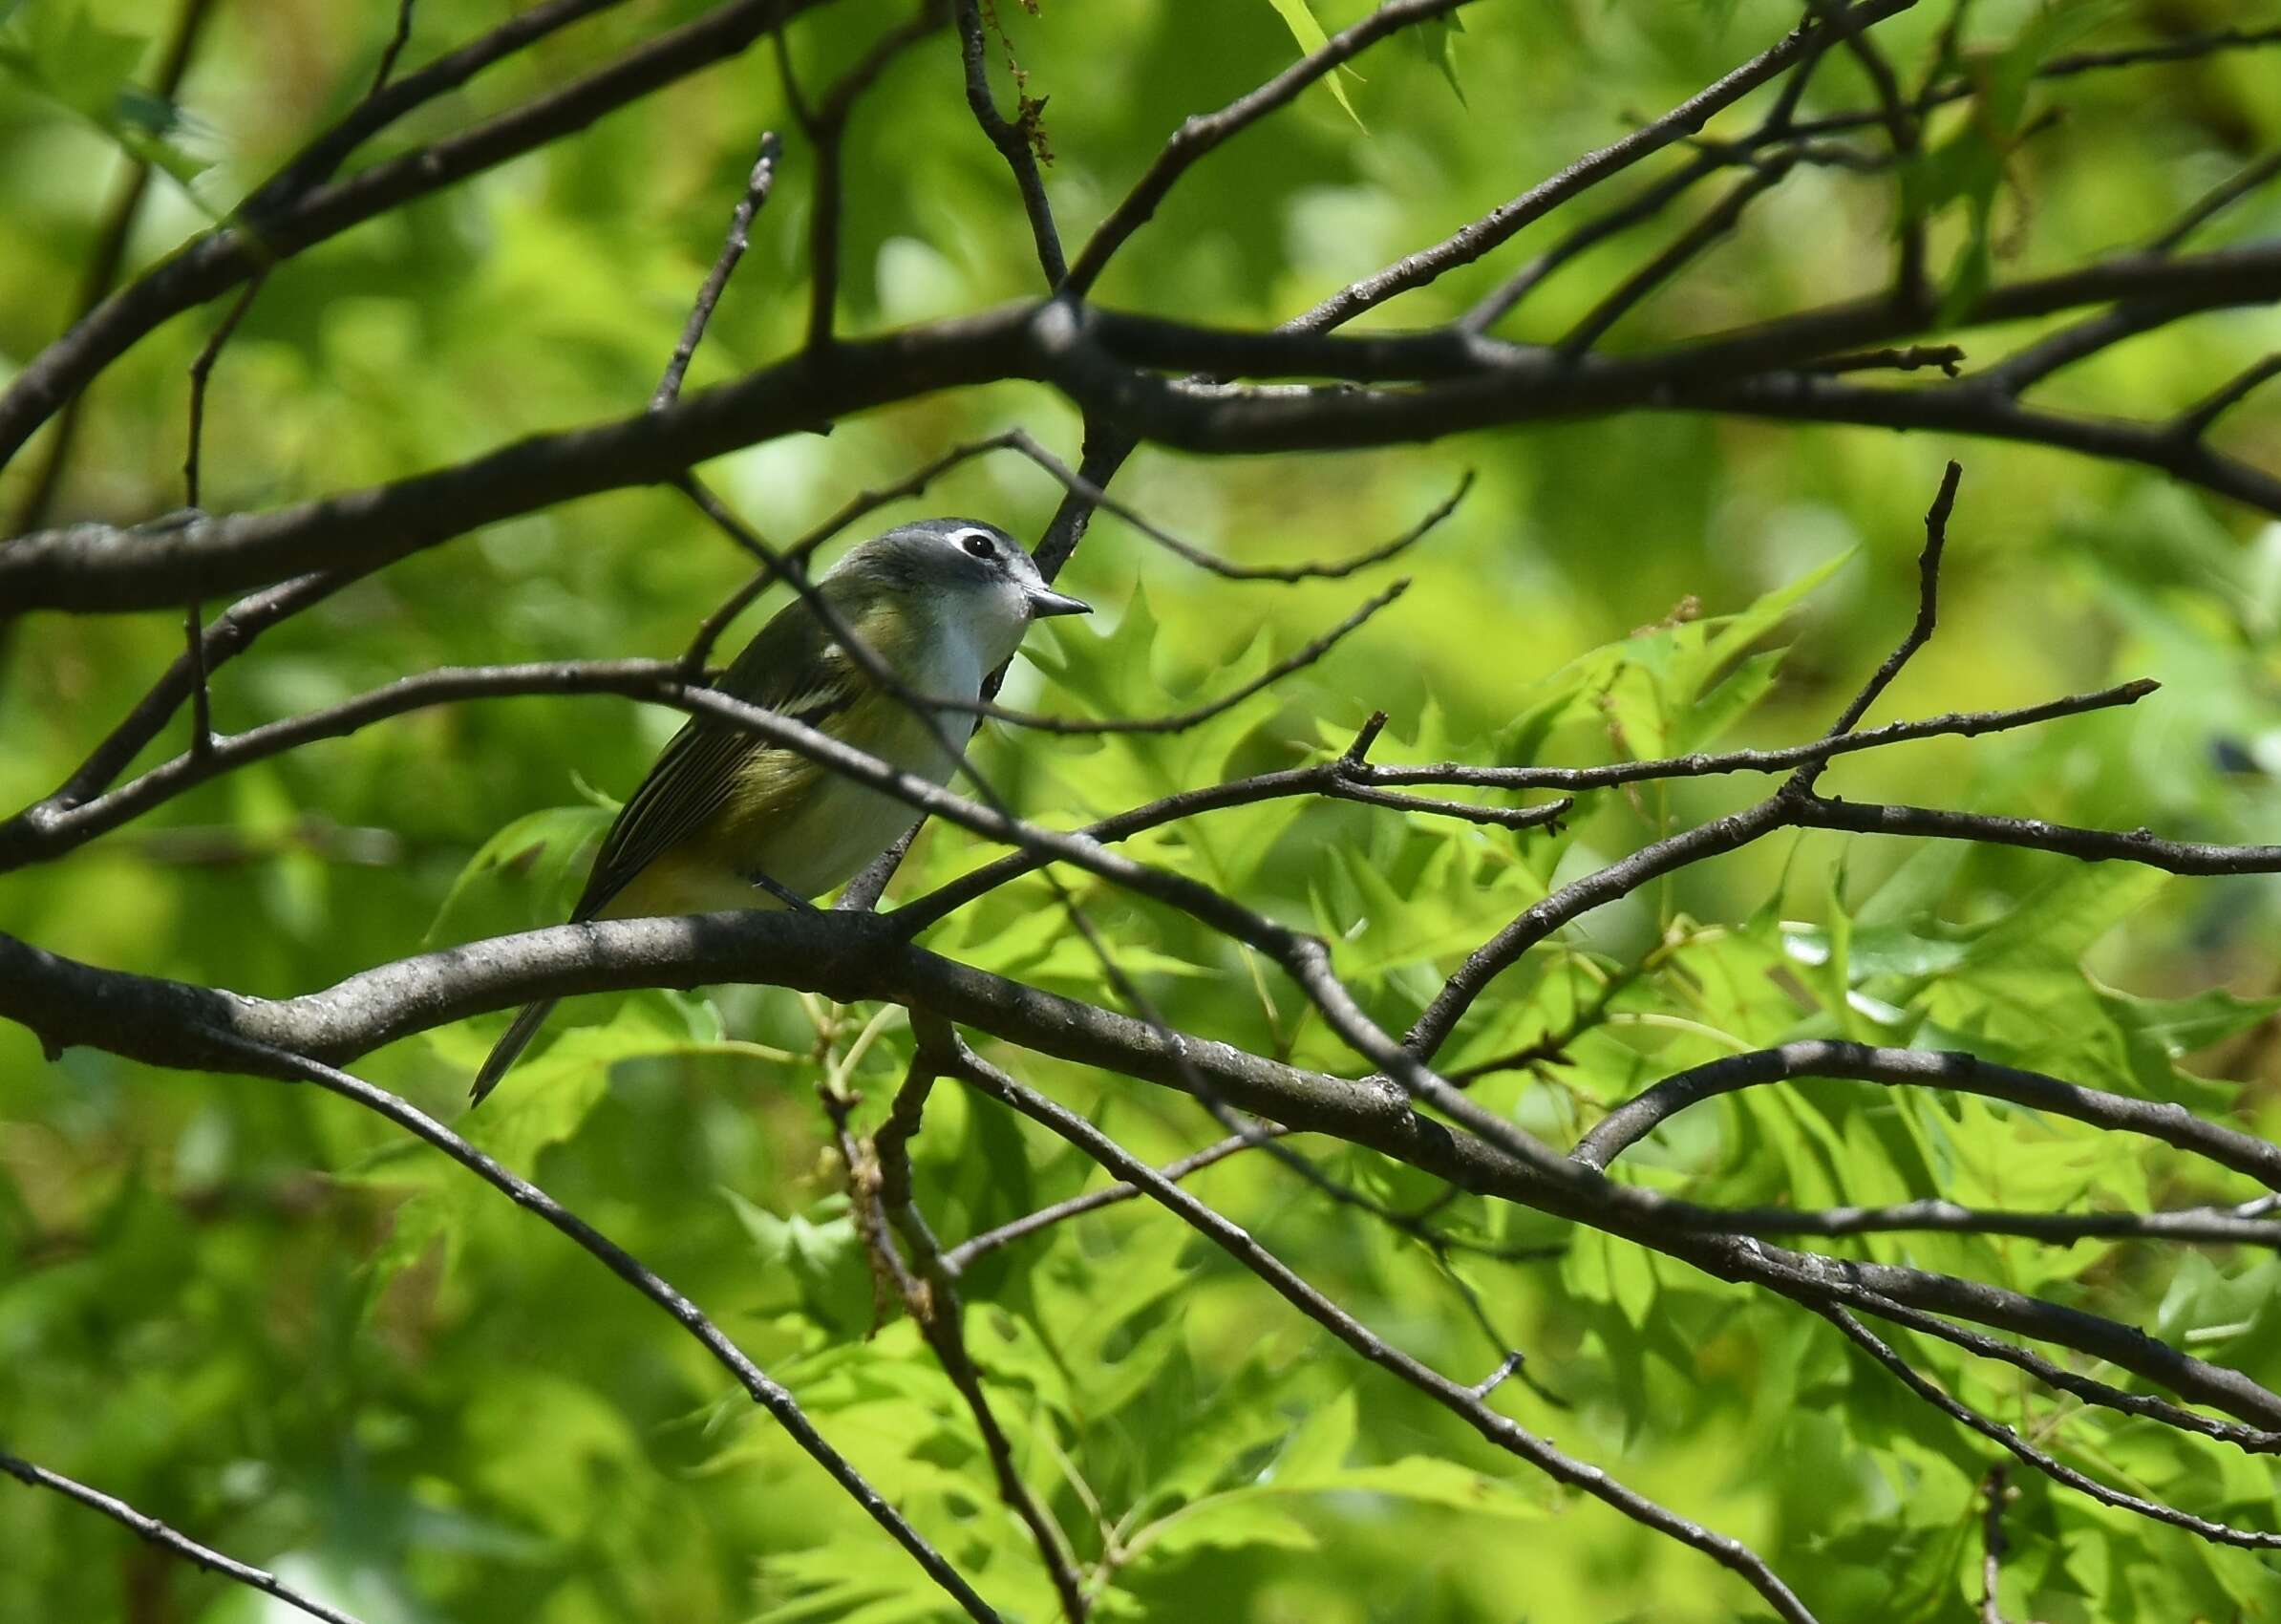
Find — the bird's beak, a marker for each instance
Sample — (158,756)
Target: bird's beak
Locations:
(1045,601)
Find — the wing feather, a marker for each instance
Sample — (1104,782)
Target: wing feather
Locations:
(694,775)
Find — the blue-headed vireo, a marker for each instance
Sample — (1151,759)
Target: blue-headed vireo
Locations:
(727,821)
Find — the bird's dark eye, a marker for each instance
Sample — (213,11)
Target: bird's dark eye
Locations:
(980,544)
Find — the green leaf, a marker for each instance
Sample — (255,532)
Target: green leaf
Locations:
(1433,39)
(1312,38)
(535,851)
(1317,1448)
(67,54)
(1436,1480)
(822,1262)
(1236,1521)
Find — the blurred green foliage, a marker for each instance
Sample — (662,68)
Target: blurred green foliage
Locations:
(257,1313)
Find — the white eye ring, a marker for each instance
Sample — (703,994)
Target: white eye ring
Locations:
(977,543)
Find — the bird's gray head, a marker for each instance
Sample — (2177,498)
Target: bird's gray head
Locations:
(970,575)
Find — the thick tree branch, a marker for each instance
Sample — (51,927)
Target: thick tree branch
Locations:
(94,568)
(857,956)
(1098,357)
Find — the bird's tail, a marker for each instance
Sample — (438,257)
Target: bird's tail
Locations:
(511,1044)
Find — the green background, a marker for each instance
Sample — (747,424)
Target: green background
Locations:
(257,1313)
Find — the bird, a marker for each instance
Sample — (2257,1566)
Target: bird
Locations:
(727,820)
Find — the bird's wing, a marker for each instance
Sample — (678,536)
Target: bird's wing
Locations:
(692,777)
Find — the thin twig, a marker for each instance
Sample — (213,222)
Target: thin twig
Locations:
(2093,846)
(1995,1492)
(941,1319)
(1920,631)
(1627,294)
(2220,198)
(1320,569)
(960,1257)
(396,42)
(1199,134)
(757,185)
(231,633)
(2250,1440)
(168,1539)
(1901,130)
(764,1390)
(1650,201)
(201,703)
(1337,778)
(1014,144)
(1470,242)
(2184,47)
(1967,1074)
(2196,421)
(2204,1226)
(1882,1351)
(1462,1400)
(389,99)
(1180,721)
(202,371)
(826,128)
(102,273)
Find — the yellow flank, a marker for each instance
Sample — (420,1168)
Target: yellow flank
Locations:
(771,820)
(684,880)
